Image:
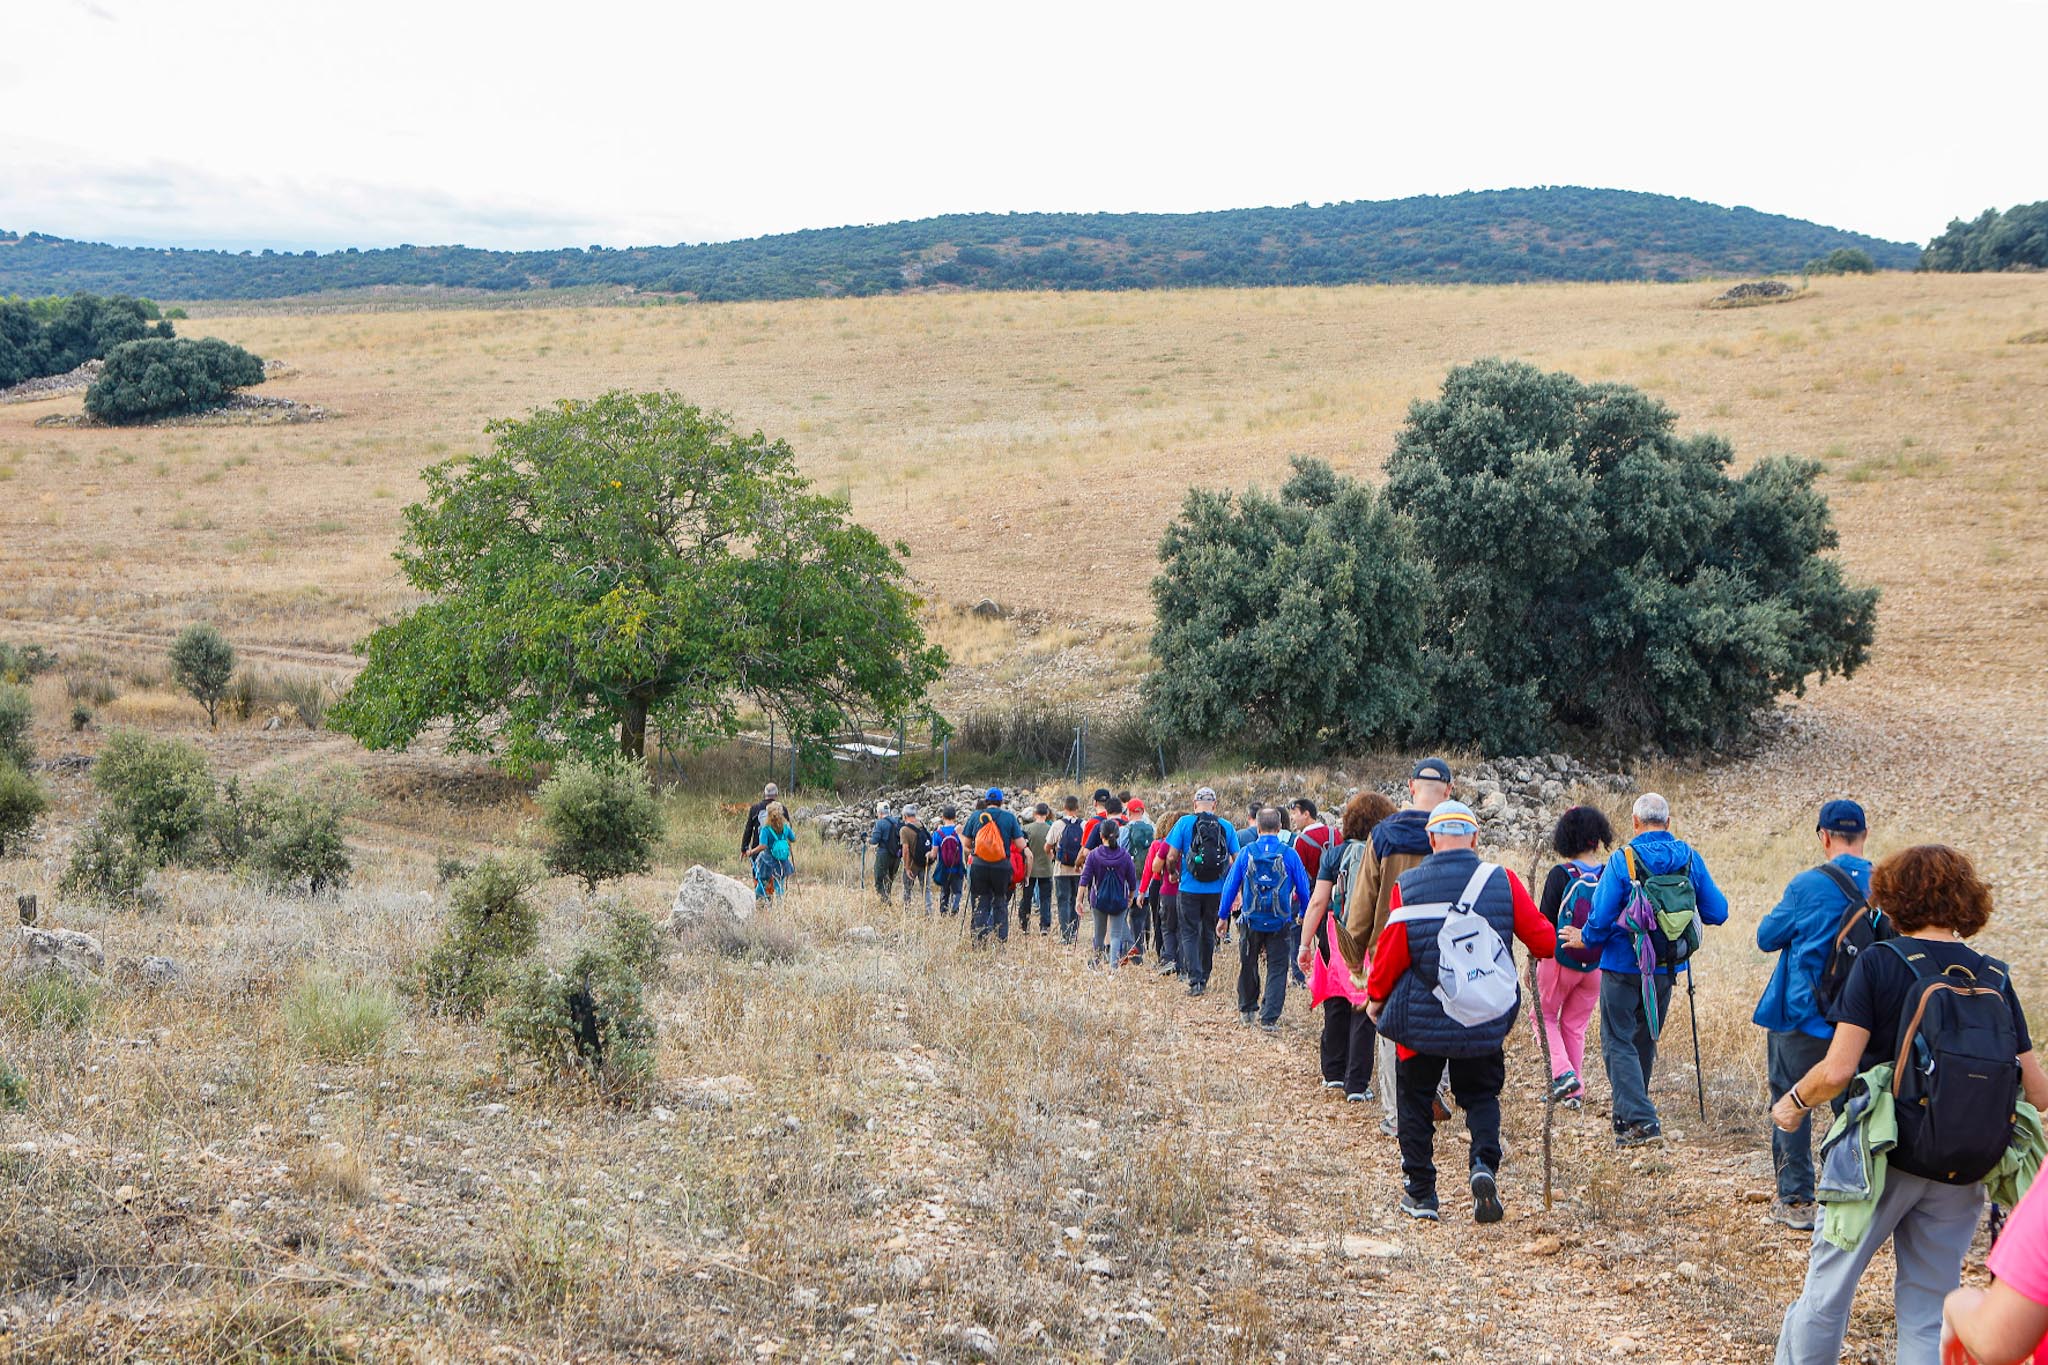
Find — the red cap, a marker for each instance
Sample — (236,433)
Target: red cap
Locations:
(1135,806)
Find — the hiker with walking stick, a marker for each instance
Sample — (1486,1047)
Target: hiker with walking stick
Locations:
(1654,896)
(1442,985)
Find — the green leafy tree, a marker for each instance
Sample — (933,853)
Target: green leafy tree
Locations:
(1843,260)
(1287,623)
(635,559)
(22,803)
(600,818)
(162,377)
(203,663)
(2014,240)
(1598,573)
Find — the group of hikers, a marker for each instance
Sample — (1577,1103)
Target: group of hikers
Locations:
(1876,1008)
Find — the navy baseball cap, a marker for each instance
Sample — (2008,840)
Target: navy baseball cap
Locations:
(1432,770)
(994,796)
(1842,817)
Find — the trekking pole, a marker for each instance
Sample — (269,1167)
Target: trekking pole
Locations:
(1542,1046)
(1699,1077)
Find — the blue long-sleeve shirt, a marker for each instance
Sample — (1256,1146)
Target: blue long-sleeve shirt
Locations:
(1266,847)
(1659,852)
(1800,929)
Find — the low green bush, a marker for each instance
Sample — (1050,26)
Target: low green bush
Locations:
(162,377)
(22,803)
(600,819)
(50,1000)
(337,1019)
(586,1022)
(158,791)
(489,927)
(202,662)
(17,714)
(296,838)
(106,866)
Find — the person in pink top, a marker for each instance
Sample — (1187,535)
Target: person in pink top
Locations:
(2007,1323)
(1348,1035)
(1570,983)
(1162,888)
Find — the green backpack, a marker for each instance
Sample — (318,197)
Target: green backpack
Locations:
(1676,908)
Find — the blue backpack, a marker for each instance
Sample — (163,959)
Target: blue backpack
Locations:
(1111,895)
(1575,908)
(1269,894)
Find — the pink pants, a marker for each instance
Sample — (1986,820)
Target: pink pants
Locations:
(1568,1000)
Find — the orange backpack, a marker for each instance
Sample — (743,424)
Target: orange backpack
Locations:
(988,841)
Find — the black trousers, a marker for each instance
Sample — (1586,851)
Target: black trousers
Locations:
(1198,911)
(1476,1083)
(1166,925)
(989,885)
(1028,890)
(1267,948)
(1348,1041)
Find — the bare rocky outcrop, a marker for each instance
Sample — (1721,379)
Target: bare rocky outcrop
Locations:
(705,895)
(68,951)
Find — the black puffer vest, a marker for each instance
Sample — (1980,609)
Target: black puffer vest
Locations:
(1413,1016)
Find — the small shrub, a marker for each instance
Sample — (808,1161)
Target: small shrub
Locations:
(337,1019)
(449,868)
(548,1255)
(22,803)
(202,662)
(490,925)
(295,833)
(93,689)
(587,1021)
(632,937)
(19,663)
(757,940)
(600,818)
(51,1000)
(161,377)
(17,714)
(158,791)
(106,866)
(13,1086)
(81,716)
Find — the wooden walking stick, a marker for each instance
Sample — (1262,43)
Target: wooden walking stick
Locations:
(1542,1045)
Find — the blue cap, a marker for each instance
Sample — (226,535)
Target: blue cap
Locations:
(1453,818)
(1431,770)
(994,796)
(1842,817)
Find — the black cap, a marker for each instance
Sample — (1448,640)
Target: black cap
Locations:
(1431,770)
(1101,795)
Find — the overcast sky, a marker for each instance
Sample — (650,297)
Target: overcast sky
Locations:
(322,123)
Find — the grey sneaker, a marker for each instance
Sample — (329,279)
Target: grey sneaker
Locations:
(1359,1096)
(1333,1085)
(1423,1209)
(1639,1135)
(1250,1017)
(1168,968)
(1798,1217)
(1485,1197)
(1388,1126)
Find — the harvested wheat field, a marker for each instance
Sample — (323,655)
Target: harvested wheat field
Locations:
(865,1140)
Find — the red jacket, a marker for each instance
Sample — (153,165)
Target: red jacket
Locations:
(1390,954)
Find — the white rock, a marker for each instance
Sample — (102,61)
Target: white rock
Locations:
(979,1343)
(1356,1248)
(59,950)
(704,894)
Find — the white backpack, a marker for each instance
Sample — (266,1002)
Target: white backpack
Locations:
(1475,975)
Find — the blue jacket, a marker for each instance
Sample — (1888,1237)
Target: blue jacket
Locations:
(1413,1016)
(1800,929)
(1659,852)
(1267,846)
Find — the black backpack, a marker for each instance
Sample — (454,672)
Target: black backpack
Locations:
(1208,849)
(1861,927)
(1069,850)
(888,837)
(919,850)
(1956,1085)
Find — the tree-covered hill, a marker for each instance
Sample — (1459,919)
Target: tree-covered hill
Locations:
(1494,236)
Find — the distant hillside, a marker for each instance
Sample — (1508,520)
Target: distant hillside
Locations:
(1488,237)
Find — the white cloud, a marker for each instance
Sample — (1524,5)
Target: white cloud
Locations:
(382,121)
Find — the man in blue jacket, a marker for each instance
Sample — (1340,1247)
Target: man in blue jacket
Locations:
(1801,930)
(1275,887)
(1628,1045)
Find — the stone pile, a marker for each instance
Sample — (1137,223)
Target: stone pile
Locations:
(852,824)
(1757,289)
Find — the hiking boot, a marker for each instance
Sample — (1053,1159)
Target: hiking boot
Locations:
(1571,1101)
(1333,1085)
(1368,1093)
(1422,1208)
(1358,1096)
(1168,968)
(1798,1217)
(1248,1016)
(1565,1085)
(1639,1135)
(1485,1198)
(1197,987)
(1388,1126)
(1269,1025)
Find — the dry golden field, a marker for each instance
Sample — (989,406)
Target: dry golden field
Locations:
(869,1147)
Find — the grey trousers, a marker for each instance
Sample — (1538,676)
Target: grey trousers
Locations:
(1930,1226)
(1626,1048)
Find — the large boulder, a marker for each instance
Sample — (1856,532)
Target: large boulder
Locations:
(705,895)
(57,950)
